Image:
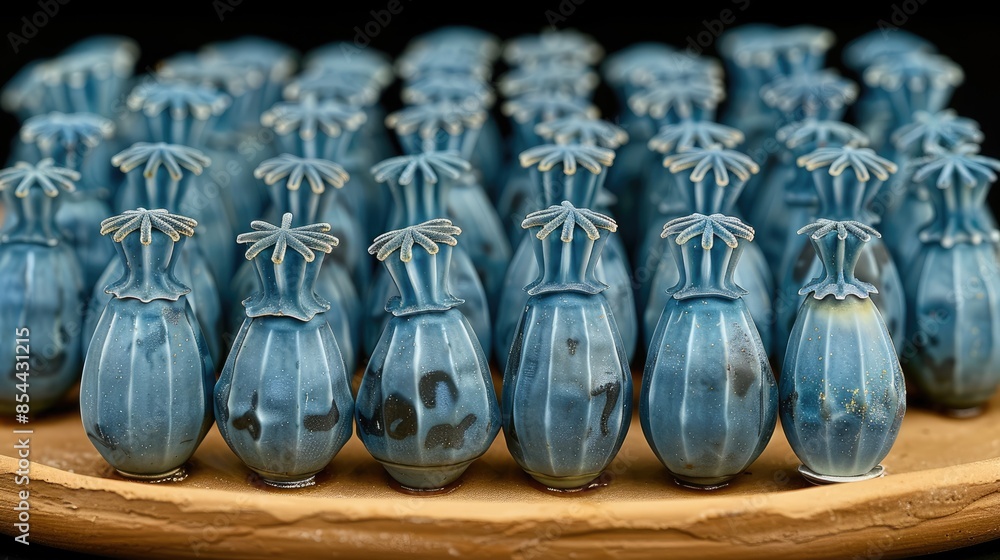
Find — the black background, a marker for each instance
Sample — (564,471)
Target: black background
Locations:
(164,27)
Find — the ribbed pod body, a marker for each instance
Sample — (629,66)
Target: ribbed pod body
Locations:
(841,387)
(612,269)
(283,402)
(426,407)
(567,393)
(41,290)
(145,398)
(709,401)
(952,352)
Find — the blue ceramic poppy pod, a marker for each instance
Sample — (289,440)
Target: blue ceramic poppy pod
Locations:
(905,205)
(283,402)
(574,173)
(426,408)
(842,395)
(713,184)
(178,112)
(420,186)
(909,82)
(693,97)
(709,402)
(487,154)
(952,349)
(71,140)
(439,126)
(681,137)
(298,187)
(622,72)
(517,196)
(324,200)
(448,126)
(847,179)
(548,78)
(757,54)
(315,128)
(821,95)
(790,199)
(567,387)
(874,110)
(182,114)
(331,130)
(711,167)
(613,267)
(89,76)
(146,393)
(344,73)
(566,46)
(41,291)
(158,176)
(243,81)
(272,61)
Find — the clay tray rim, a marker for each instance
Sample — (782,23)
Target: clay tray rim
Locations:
(981,478)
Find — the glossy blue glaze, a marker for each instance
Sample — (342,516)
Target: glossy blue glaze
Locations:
(426,407)
(420,185)
(283,403)
(300,186)
(192,114)
(952,350)
(70,139)
(146,393)
(171,169)
(41,289)
(709,402)
(842,396)
(567,386)
(556,170)
(713,184)
(846,179)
